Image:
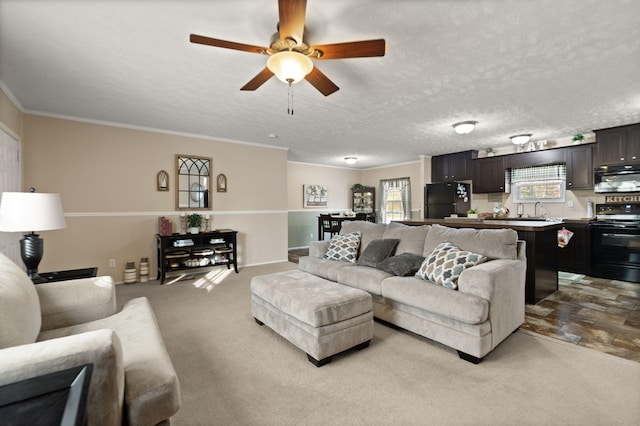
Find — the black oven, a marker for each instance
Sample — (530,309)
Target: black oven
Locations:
(615,243)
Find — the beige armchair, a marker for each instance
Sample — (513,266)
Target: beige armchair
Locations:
(55,326)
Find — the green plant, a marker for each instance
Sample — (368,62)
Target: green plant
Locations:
(490,151)
(472,211)
(194,220)
(578,137)
(358,187)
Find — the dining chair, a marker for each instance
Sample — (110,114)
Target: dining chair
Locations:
(330,225)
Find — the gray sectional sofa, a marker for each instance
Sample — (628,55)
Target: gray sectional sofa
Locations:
(486,308)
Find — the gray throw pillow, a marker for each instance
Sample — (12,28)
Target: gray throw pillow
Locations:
(402,265)
(377,251)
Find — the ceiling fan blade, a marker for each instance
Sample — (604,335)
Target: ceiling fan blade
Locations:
(292,15)
(258,80)
(353,49)
(321,82)
(194,38)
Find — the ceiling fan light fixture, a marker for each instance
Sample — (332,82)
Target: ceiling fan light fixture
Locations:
(289,66)
(350,160)
(520,139)
(464,127)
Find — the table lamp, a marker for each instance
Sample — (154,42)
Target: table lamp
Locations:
(31,212)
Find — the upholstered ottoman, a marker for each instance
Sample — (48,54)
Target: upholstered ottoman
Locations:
(320,317)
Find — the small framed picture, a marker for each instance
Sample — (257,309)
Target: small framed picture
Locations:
(222,183)
(163,181)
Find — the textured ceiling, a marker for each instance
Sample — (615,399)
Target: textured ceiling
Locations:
(548,67)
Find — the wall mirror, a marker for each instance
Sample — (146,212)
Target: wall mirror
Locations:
(193,182)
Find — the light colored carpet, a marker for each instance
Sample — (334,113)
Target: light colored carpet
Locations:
(234,372)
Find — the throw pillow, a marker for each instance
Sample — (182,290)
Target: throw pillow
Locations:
(445,264)
(402,265)
(377,251)
(344,247)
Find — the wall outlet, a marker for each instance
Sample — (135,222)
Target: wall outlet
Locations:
(570,204)
(112,263)
(311,235)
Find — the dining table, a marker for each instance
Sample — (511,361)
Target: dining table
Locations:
(339,218)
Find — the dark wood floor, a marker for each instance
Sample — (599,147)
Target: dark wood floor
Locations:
(596,313)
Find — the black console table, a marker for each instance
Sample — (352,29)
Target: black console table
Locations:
(72,274)
(190,253)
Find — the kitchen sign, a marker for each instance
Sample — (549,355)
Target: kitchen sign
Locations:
(622,199)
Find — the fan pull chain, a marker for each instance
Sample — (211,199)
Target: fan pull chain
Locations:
(290,98)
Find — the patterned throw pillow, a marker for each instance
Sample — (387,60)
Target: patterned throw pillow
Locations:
(344,247)
(445,264)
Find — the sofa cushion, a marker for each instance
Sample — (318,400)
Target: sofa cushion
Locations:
(411,237)
(413,291)
(323,268)
(377,251)
(402,265)
(344,247)
(445,264)
(492,243)
(369,231)
(20,318)
(363,277)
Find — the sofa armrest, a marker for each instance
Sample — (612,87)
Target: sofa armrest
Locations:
(502,283)
(101,348)
(72,302)
(317,249)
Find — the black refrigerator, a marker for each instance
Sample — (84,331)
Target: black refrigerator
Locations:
(444,199)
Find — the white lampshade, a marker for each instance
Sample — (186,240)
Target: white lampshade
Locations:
(520,139)
(464,127)
(289,66)
(30,212)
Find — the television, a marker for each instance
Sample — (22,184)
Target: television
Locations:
(58,398)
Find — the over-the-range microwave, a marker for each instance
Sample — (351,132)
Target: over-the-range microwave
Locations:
(610,179)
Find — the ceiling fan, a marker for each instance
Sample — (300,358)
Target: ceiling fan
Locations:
(290,56)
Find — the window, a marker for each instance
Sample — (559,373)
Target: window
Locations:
(539,184)
(396,199)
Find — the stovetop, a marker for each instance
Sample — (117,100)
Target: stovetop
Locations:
(630,211)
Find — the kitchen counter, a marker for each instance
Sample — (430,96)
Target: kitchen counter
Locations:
(542,250)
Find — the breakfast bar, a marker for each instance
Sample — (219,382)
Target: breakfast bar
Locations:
(541,238)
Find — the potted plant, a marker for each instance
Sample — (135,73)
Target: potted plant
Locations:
(472,213)
(578,138)
(490,152)
(194,221)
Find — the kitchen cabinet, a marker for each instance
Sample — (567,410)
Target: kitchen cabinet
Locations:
(364,200)
(489,175)
(535,158)
(579,160)
(576,256)
(618,146)
(450,167)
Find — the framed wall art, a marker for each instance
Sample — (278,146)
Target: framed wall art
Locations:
(315,196)
(163,180)
(222,183)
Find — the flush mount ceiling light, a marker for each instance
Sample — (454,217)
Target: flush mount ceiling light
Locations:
(289,66)
(464,127)
(351,160)
(520,139)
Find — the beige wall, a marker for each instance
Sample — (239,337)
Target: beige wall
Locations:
(107,178)
(10,116)
(338,180)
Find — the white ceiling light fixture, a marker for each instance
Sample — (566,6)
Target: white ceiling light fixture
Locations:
(351,160)
(289,66)
(464,127)
(520,139)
